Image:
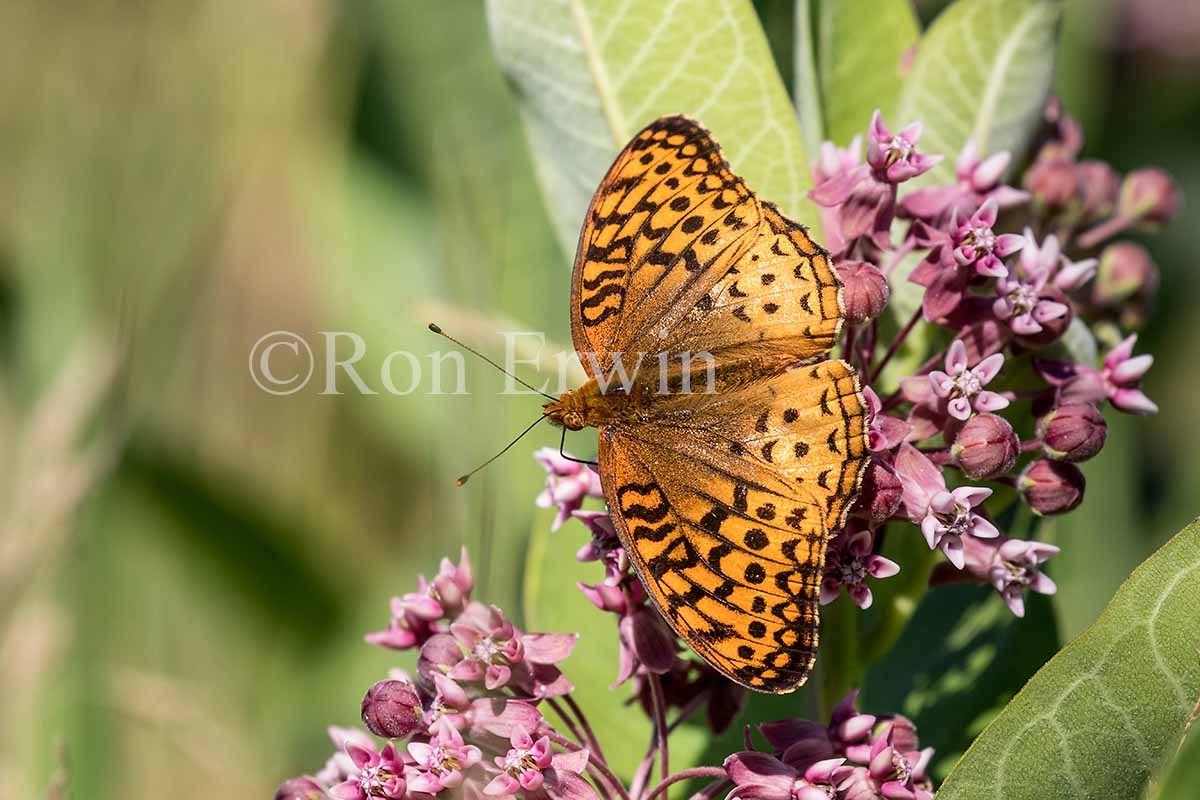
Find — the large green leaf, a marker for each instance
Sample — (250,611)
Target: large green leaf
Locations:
(983,70)
(590,73)
(1101,717)
(861,46)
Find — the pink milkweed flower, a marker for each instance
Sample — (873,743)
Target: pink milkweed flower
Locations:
(1012,566)
(978,180)
(961,386)
(945,516)
(568,483)
(1123,373)
(899,774)
(378,773)
(1021,295)
(521,768)
(894,159)
(852,203)
(973,243)
(883,431)
(836,172)
(414,614)
(1118,380)
(439,763)
(604,546)
(849,562)
(761,776)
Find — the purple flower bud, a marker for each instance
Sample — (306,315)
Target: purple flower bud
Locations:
(1098,185)
(865,290)
(1073,432)
(880,495)
(1053,182)
(1148,195)
(986,447)
(1125,271)
(1051,487)
(304,788)
(392,709)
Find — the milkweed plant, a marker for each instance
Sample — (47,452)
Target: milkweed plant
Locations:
(972,442)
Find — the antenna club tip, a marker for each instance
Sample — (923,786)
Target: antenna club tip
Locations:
(462,480)
(434,327)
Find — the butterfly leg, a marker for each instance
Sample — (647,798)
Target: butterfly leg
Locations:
(562,442)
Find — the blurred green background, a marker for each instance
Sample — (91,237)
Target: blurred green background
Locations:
(187,564)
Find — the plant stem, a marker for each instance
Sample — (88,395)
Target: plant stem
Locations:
(660,723)
(587,727)
(687,774)
(1107,229)
(567,721)
(895,345)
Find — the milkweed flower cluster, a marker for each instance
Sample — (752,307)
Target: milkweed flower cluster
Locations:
(1010,288)
(490,714)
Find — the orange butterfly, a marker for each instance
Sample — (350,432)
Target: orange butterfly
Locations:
(728,449)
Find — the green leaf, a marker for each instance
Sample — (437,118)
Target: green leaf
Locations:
(961,658)
(590,73)
(983,70)
(861,46)
(1105,712)
(807,88)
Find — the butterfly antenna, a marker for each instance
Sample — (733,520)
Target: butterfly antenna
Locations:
(467,477)
(437,329)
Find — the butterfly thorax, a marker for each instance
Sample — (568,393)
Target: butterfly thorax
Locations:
(656,392)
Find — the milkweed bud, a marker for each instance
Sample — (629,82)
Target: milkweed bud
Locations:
(1073,432)
(1149,195)
(1125,271)
(880,495)
(1051,487)
(986,447)
(1052,182)
(1097,185)
(392,709)
(865,290)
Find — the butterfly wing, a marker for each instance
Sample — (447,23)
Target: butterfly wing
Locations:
(780,298)
(724,502)
(667,221)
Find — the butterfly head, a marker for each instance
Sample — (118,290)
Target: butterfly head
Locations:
(567,410)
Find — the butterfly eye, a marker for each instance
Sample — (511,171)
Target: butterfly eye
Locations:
(573,420)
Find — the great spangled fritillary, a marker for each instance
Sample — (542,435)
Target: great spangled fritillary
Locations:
(725,495)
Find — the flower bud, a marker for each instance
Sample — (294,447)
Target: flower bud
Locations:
(304,788)
(1149,195)
(1052,182)
(392,709)
(1125,271)
(1098,185)
(1051,487)
(986,447)
(1073,432)
(880,495)
(865,290)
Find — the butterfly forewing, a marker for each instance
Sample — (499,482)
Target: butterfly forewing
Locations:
(668,220)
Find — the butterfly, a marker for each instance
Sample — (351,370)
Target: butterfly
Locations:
(729,448)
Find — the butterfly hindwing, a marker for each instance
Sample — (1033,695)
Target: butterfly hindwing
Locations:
(725,510)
